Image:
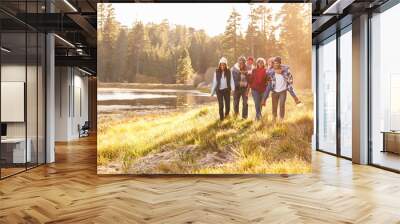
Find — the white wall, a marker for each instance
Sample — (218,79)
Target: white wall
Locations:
(14,73)
(33,126)
(70,84)
(62,82)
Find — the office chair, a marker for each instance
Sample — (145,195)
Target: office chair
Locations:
(84,130)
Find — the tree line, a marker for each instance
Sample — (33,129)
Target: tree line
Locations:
(165,53)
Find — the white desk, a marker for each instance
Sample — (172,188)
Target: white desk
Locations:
(18,150)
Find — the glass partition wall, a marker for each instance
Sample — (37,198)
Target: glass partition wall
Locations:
(385,90)
(327,95)
(22,98)
(334,94)
(346,95)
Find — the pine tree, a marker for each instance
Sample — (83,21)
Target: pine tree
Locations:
(184,70)
(121,48)
(101,13)
(264,35)
(252,30)
(136,47)
(108,43)
(230,41)
(296,40)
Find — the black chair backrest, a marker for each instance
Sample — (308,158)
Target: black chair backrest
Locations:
(86,125)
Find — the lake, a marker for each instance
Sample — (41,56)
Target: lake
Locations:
(144,101)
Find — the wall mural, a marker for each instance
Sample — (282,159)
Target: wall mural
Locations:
(202,88)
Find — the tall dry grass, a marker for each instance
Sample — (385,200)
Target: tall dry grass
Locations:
(264,146)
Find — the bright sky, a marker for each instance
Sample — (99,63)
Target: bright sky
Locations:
(210,17)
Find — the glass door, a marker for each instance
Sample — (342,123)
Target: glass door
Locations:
(385,89)
(14,155)
(327,96)
(346,92)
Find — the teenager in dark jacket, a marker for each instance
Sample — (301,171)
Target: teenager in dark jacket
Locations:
(222,85)
(258,83)
(240,76)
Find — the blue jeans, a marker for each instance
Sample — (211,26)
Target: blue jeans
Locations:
(240,92)
(257,97)
(224,98)
(279,100)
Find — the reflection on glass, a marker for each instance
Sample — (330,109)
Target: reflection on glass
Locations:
(13,85)
(23,84)
(346,94)
(385,88)
(327,96)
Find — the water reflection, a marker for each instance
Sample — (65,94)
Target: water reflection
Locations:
(121,100)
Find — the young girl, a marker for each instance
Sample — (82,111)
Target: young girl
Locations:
(223,84)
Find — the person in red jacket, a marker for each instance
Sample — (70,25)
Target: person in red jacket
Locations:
(258,83)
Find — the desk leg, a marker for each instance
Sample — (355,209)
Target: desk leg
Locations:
(384,143)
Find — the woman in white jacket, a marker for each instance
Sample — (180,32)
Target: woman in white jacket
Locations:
(222,85)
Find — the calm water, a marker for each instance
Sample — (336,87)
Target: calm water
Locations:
(120,100)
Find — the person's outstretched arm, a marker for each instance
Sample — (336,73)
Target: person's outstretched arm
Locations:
(292,92)
(267,91)
(290,87)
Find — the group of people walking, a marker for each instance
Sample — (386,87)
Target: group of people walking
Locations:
(264,79)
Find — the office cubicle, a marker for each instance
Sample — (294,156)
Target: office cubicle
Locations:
(22,91)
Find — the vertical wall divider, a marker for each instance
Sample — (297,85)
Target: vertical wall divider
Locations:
(26,87)
(45,93)
(369,97)
(37,91)
(316,98)
(1,164)
(338,76)
(69,92)
(73,93)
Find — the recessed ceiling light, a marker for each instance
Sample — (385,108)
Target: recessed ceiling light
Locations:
(65,41)
(70,5)
(84,71)
(338,6)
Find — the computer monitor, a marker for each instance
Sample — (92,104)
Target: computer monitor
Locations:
(3,129)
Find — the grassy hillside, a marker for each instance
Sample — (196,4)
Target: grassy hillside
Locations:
(196,141)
